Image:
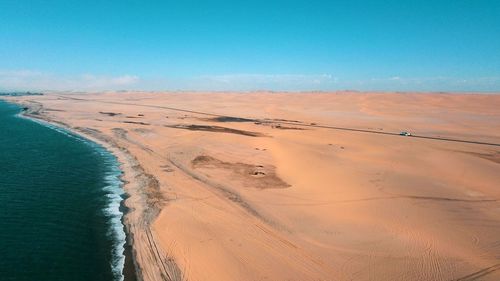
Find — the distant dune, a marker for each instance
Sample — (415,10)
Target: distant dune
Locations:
(304,186)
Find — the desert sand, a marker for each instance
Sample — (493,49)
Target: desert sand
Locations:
(277,186)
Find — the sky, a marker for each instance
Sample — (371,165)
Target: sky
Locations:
(426,45)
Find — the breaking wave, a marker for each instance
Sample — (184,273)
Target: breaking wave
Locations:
(113,196)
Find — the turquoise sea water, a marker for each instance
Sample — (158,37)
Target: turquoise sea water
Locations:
(60,197)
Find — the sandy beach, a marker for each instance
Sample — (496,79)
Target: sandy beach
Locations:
(300,186)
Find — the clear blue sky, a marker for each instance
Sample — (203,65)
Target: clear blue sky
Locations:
(248,45)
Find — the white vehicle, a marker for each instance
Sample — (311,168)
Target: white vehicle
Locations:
(406,134)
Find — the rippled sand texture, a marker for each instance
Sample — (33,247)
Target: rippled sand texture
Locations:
(269,194)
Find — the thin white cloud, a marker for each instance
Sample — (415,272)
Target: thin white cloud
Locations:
(93,81)
(437,83)
(270,78)
(265,81)
(40,81)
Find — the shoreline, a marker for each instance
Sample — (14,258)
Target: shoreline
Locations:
(132,271)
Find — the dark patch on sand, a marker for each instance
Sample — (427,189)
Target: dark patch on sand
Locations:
(229,119)
(167,168)
(224,191)
(138,123)
(142,130)
(257,176)
(110,113)
(480,273)
(282,120)
(154,196)
(120,133)
(89,131)
(215,129)
(493,156)
(281,127)
(123,134)
(56,110)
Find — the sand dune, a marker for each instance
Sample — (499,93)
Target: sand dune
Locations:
(231,186)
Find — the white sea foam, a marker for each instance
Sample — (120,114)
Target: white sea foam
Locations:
(57,129)
(114,197)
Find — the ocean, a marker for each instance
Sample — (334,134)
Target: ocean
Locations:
(60,198)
